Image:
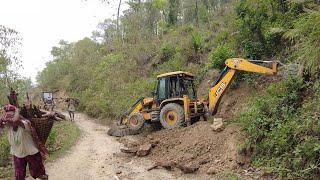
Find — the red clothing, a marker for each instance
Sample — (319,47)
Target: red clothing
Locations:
(35,163)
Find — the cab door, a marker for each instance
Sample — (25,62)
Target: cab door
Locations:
(162,90)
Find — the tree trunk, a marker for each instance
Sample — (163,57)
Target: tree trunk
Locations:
(197,14)
(118,18)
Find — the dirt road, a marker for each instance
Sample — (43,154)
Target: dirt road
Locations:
(96,156)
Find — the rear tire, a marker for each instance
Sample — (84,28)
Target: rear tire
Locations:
(172,116)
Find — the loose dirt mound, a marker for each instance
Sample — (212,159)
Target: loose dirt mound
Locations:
(196,145)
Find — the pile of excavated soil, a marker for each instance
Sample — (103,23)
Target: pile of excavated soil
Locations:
(196,145)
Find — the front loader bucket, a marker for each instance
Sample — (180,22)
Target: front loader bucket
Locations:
(121,130)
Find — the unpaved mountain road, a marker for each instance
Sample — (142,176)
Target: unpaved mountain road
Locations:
(96,156)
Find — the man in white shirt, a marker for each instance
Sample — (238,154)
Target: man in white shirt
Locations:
(22,145)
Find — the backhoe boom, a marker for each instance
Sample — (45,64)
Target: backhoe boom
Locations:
(224,80)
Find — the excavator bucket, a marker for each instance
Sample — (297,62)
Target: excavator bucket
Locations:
(121,130)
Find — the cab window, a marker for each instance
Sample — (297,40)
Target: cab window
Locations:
(161,89)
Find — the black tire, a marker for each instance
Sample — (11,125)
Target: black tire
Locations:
(136,121)
(195,119)
(172,116)
(156,126)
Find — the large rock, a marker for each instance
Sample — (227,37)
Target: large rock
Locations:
(144,150)
(217,125)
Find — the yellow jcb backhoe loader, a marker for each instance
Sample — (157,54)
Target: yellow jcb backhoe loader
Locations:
(174,102)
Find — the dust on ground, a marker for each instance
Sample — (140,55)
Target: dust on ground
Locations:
(96,156)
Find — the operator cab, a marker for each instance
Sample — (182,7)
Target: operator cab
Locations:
(175,85)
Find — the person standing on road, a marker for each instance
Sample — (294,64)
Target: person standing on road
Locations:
(24,146)
(71,108)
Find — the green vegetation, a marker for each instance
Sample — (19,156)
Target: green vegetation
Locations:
(283,125)
(9,61)
(108,72)
(5,150)
(219,55)
(227,175)
(63,136)
(283,129)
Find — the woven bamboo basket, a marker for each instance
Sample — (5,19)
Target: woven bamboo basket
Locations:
(43,127)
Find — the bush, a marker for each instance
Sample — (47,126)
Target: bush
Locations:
(167,52)
(218,56)
(4,150)
(197,41)
(283,132)
(306,33)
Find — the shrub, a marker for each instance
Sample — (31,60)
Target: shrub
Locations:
(283,132)
(5,150)
(218,56)
(197,41)
(305,34)
(167,52)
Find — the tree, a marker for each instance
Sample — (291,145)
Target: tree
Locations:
(10,59)
(118,17)
(9,48)
(173,11)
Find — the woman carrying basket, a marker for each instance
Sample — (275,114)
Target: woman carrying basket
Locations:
(24,145)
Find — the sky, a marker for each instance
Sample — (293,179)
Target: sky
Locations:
(43,23)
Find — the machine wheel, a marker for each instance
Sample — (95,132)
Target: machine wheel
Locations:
(136,121)
(171,116)
(195,119)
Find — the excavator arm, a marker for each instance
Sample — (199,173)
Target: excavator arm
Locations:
(226,76)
